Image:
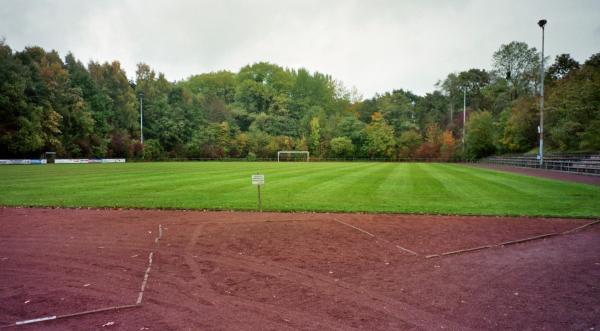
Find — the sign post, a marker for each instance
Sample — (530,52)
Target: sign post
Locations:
(258,180)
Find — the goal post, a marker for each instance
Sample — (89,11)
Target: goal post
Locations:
(280,153)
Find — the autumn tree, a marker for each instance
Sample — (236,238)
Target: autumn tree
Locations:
(481,138)
(520,130)
(447,146)
(408,144)
(380,142)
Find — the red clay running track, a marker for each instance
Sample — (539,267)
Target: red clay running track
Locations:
(276,271)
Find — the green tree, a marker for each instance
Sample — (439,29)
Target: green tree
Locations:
(519,64)
(434,108)
(473,81)
(116,101)
(254,96)
(398,110)
(211,141)
(220,84)
(20,119)
(408,143)
(315,135)
(562,66)
(259,144)
(342,147)
(153,150)
(520,132)
(573,109)
(497,96)
(480,139)
(380,140)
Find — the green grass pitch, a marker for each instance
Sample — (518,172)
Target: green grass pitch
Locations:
(343,187)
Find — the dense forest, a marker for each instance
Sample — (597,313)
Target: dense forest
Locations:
(48,103)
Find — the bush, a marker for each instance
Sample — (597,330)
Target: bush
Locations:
(448,146)
(119,144)
(152,150)
(428,151)
(480,135)
(341,147)
(408,144)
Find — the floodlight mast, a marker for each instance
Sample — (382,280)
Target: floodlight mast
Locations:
(542,24)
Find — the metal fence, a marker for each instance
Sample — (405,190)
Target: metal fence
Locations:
(580,164)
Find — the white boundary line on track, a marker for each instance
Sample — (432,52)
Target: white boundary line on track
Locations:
(513,242)
(372,235)
(137,303)
(145,280)
(147,273)
(36,320)
(57,317)
(352,226)
(581,227)
(407,250)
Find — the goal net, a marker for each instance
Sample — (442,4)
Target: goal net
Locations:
(293,156)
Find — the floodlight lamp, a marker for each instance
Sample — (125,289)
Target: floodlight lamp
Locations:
(542,23)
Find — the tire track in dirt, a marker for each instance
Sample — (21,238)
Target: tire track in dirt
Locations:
(398,310)
(208,294)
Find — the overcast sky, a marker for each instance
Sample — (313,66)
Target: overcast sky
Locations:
(376,46)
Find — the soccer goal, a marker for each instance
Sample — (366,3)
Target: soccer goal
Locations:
(293,156)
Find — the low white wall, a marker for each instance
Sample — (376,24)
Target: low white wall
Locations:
(22,161)
(79,161)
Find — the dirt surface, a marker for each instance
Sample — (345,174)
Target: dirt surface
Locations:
(551,174)
(281,271)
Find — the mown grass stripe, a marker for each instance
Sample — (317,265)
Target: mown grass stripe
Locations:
(334,186)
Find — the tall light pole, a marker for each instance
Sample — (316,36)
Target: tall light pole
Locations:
(542,23)
(141,94)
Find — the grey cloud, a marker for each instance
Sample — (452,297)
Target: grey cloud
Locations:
(374,45)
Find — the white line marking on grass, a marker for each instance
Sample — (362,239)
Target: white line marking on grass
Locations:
(352,226)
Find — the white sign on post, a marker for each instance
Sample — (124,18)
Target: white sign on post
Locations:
(258,179)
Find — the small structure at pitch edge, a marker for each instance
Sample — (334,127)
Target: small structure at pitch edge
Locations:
(258,180)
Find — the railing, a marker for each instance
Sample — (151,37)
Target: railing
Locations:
(583,164)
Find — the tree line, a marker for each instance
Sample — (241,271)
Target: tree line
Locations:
(48,103)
